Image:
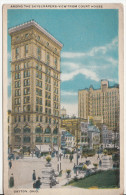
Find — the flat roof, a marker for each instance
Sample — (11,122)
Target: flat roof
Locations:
(35,24)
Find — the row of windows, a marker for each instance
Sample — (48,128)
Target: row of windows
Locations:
(39,83)
(38,92)
(55,90)
(26,49)
(27,139)
(55,98)
(48,111)
(47,95)
(38,75)
(26,65)
(26,99)
(38,100)
(39,108)
(47,79)
(17,101)
(26,91)
(48,87)
(48,103)
(55,105)
(39,118)
(26,82)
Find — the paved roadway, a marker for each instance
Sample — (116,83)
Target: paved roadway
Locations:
(22,169)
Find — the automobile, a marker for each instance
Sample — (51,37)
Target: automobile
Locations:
(11,156)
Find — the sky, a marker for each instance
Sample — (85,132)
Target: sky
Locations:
(90,47)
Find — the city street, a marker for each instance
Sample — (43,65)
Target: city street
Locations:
(22,169)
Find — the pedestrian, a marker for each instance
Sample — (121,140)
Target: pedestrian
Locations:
(11,181)
(38,183)
(100,163)
(10,164)
(34,175)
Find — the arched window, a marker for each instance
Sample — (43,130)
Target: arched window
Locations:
(17,130)
(48,130)
(55,131)
(26,129)
(38,129)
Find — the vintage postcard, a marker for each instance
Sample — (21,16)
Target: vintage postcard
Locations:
(63,99)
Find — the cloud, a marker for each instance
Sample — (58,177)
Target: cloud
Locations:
(70,65)
(94,51)
(72,54)
(71,109)
(9,81)
(112,60)
(86,72)
(9,56)
(68,93)
(95,64)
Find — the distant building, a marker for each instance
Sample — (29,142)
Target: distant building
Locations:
(84,134)
(90,135)
(102,103)
(63,113)
(67,140)
(106,136)
(72,125)
(116,139)
(93,137)
(35,72)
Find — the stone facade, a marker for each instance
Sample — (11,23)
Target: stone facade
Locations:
(35,71)
(103,102)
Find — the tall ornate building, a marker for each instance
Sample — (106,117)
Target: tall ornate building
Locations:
(35,71)
(103,102)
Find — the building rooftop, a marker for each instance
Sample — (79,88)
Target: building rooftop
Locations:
(91,86)
(93,128)
(36,25)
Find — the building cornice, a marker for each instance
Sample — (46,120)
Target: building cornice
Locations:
(37,26)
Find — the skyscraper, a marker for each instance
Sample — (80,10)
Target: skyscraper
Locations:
(35,73)
(103,102)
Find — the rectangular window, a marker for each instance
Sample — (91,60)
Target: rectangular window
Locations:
(40,108)
(36,108)
(28,117)
(40,118)
(28,108)
(17,50)
(26,49)
(36,118)
(48,58)
(19,119)
(24,118)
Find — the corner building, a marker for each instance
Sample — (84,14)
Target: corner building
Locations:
(103,102)
(35,71)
